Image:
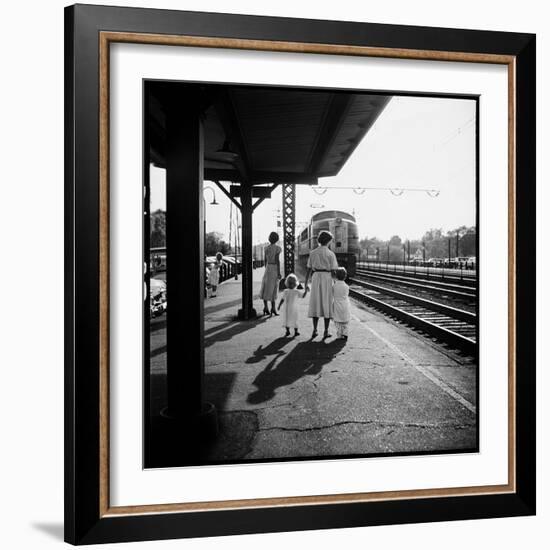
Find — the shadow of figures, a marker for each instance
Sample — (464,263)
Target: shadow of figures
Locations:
(306,358)
(274,348)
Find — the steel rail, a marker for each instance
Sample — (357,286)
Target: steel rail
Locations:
(451,274)
(421,284)
(456,340)
(459,341)
(453,312)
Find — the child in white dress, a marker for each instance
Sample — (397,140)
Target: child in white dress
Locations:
(341,308)
(214,275)
(290,301)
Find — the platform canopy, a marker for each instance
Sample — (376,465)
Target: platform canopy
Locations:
(257,135)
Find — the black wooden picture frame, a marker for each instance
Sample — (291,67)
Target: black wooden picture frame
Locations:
(88,517)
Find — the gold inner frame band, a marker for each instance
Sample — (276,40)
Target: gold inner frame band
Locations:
(105,39)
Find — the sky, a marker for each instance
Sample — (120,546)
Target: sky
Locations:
(416,142)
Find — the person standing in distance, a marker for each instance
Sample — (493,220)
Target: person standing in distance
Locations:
(272,274)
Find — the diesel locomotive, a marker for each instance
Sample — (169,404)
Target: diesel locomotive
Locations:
(345,243)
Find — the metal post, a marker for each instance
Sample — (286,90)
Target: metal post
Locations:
(235,254)
(185,247)
(204,224)
(289,218)
(247,311)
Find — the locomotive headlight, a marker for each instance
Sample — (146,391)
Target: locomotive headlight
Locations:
(338,221)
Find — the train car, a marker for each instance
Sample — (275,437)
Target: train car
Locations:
(345,243)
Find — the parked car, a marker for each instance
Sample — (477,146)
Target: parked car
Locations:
(436,262)
(158,262)
(157,297)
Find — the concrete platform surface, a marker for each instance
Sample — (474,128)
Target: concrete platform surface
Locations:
(386,390)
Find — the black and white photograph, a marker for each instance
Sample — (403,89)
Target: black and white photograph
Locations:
(275,275)
(335,237)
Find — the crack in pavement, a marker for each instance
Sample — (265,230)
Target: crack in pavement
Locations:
(289,404)
(371,423)
(278,405)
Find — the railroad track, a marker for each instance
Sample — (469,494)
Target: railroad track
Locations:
(426,274)
(453,290)
(453,326)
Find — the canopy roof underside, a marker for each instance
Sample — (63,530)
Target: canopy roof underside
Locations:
(276,135)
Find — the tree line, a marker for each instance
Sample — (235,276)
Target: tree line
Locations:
(434,243)
(213,240)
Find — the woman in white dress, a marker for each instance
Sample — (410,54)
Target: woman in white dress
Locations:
(321,265)
(272,274)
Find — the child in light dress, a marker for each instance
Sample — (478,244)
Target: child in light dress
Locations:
(214,275)
(341,308)
(290,297)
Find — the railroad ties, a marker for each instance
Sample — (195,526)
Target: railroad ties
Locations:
(445,311)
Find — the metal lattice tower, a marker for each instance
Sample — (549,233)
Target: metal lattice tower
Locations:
(289,218)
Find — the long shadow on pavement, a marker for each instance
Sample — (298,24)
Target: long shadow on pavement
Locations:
(237,328)
(158,324)
(217,327)
(306,358)
(209,307)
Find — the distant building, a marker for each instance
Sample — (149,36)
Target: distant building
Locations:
(418,255)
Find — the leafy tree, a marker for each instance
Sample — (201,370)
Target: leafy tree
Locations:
(369,246)
(433,244)
(395,240)
(467,243)
(158,229)
(433,235)
(214,244)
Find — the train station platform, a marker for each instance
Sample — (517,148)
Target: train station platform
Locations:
(385,390)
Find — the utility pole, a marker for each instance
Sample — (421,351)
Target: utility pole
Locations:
(235,254)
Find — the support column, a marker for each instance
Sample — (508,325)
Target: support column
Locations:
(289,223)
(185,264)
(247,311)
